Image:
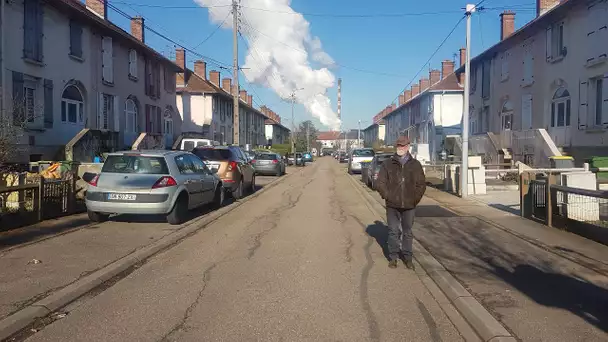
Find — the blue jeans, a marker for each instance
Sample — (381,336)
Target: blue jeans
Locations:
(400,235)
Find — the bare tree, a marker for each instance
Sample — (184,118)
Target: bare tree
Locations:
(14,123)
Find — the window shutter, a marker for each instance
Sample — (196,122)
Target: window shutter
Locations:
(157,80)
(159,127)
(526,109)
(605,102)
(147,77)
(48,104)
(148,126)
(18,99)
(549,40)
(133,63)
(39,29)
(116,112)
(100,111)
(583,107)
(107,67)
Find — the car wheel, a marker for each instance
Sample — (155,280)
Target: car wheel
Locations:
(279,172)
(350,172)
(97,217)
(218,199)
(238,192)
(179,211)
(252,185)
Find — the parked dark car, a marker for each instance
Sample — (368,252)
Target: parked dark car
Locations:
(374,168)
(232,165)
(342,157)
(269,164)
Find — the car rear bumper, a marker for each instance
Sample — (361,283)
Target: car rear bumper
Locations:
(129,208)
(271,169)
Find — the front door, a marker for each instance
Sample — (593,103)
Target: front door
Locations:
(559,128)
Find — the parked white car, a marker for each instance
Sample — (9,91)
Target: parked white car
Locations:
(358,156)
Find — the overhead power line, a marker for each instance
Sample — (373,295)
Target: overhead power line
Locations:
(213,32)
(169,6)
(431,57)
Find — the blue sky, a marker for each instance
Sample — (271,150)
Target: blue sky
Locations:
(396,45)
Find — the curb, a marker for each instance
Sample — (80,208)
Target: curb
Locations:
(19,320)
(480,319)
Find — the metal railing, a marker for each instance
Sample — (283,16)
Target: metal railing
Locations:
(581,205)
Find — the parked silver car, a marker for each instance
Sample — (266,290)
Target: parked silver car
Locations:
(269,164)
(152,182)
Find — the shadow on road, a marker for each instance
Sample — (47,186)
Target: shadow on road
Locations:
(513,209)
(32,233)
(379,231)
(476,254)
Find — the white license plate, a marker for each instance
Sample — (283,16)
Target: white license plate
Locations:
(264,162)
(213,167)
(122,197)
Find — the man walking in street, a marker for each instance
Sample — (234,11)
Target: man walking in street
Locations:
(401,182)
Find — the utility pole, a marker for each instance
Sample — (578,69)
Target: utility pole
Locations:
(235,72)
(464,169)
(293,127)
(359,135)
(307,136)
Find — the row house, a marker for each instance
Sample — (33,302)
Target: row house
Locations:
(345,140)
(429,113)
(276,133)
(206,106)
(540,91)
(69,73)
(375,133)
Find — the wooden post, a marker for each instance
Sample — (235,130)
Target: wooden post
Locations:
(525,200)
(72,194)
(40,204)
(21,195)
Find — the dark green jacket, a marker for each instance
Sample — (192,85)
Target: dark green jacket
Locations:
(401,186)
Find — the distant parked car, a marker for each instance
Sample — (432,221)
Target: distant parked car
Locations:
(342,157)
(152,182)
(307,157)
(298,162)
(269,164)
(358,156)
(374,168)
(232,165)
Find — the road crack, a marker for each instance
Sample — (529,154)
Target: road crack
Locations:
(181,325)
(372,322)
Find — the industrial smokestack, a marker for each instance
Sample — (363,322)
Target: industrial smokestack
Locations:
(339,99)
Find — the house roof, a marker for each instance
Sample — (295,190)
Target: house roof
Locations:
(194,84)
(380,122)
(535,24)
(274,123)
(78,9)
(331,135)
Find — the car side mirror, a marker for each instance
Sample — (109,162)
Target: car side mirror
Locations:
(88,176)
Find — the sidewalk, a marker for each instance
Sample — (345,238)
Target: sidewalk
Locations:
(540,283)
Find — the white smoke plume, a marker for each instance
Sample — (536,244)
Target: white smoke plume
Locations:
(281,51)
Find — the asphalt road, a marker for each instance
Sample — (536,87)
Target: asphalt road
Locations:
(537,295)
(70,247)
(300,262)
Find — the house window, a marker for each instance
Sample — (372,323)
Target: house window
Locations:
(169,81)
(153,119)
(168,123)
(555,42)
(107,111)
(599,98)
(75,39)
(528,63)
(506,116)
(473,121)
(32,29)
(131,116)
(485,86)
(560,108)
(29,100)
(107,60)
(152,79)
(473,79)
(72,105)
(504,66)
(133,64)
(526,111)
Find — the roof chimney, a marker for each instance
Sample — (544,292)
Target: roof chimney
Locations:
(214,77)
(507,24)
(264,110)
(544,6)
(424,84)
(137,28)
(393,107)
(180,58)
(243,95)
(401,99)
(227,85)
(407,95)
(250,100)
(435,76)
(415,90)
(463,56)
(200,68)
(447,67)
(99,7)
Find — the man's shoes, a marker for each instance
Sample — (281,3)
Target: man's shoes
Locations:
(392,264)
(409,264)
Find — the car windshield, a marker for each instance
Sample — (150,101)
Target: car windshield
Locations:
(382,157)
(135,164)
(363,153)
(265,156)
(212,153)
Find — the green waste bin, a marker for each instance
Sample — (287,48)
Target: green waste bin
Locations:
(597,162)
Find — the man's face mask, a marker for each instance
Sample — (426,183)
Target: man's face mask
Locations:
(402,150)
